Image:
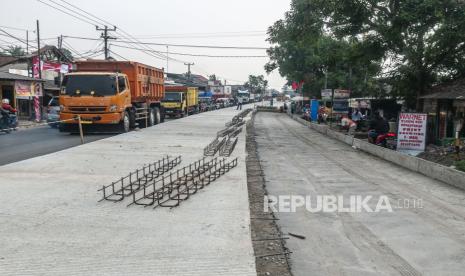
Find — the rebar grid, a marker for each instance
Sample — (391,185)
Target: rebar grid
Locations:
(133,182)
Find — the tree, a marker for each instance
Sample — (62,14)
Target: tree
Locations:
(67,53)
(212,77)
(14,51)
(420,43)
(256,84)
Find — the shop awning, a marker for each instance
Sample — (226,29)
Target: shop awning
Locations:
(15,77)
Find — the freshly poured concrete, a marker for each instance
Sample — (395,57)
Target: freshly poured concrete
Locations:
(409,241)
(52,224)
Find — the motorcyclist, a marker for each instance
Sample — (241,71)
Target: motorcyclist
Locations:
(378,126)
(6,110)
(6,106)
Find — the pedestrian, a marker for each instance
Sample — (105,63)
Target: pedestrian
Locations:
(357,117)
(239,103)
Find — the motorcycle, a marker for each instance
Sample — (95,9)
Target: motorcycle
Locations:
(386,140)
(8,122)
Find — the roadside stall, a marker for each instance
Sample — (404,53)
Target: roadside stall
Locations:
(445,106)
(22,92)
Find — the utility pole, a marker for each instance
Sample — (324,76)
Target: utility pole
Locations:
(167,59)
(27,42)
(189,69)
(37,104)
(60,42)
(106,37)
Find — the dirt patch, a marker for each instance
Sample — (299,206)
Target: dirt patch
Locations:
(442,155)
(267,239)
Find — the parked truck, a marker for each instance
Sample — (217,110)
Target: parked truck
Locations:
(181,100)
(111,95)
(244,95)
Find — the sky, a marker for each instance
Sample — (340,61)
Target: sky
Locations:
(241,23)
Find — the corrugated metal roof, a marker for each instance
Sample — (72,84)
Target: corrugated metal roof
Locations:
(448,91)
(9,76)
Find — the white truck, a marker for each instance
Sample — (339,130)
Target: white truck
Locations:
(244,95)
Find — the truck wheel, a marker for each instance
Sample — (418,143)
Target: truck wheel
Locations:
(162,115)
(124,125)
(157,116)
(152,117)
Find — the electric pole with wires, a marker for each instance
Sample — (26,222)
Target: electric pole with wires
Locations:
(106,37)
(189,69)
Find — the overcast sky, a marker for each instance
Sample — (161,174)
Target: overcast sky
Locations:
(200,22)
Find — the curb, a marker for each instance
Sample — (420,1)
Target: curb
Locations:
(433,170)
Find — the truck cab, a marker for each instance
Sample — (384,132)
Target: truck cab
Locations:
(97,97)
(174,104)
(111,96)
(180,101)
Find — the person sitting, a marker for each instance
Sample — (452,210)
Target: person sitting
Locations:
(349,124)
(357,117)
(6,106)
(378,126)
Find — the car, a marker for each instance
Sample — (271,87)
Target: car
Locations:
(53,112)
(223,102)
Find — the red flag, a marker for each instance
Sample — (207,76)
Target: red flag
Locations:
(295,86)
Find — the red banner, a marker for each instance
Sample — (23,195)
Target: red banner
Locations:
(48,66)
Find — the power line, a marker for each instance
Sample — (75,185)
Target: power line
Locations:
(199,36)
(202,46)
(106,22)
(17,29)
(126,35)
(120,56)
(15,37)
(72,15)
(181,45)
(87,54)
(78,13)
(197,55)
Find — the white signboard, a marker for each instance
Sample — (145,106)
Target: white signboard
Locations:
(326,94)
(411,134)
(227,90)
(341,94)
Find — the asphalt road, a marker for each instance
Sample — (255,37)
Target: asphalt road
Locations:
(426,239)
(27,143)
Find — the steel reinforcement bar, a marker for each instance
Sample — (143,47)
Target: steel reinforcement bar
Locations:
(133,182)
(227,149)
(171,191)
(146,196)
(214,147)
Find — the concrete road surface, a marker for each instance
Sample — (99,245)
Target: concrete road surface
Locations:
(27,143)
(425,239)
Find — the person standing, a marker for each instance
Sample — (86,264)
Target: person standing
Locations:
(239,103)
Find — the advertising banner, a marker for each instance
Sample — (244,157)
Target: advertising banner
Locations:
(412,131)
(23,89)
(326,94)
(48,66)
(341,94)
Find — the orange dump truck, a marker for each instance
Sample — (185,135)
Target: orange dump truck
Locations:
(111,95)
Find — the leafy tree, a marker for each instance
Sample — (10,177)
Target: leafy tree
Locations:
(67,53)
(212,77)
(256,84)
(418,42)
(14,51)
